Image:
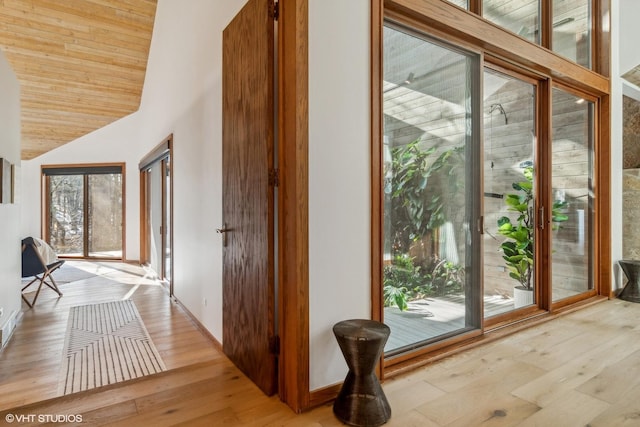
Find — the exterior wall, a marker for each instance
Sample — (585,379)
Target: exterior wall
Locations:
(10,263)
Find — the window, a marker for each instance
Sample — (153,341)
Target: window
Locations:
(84,210)
(509,160)
(462,3)
(571,24)
(486,177)
(520,16)
(572,30)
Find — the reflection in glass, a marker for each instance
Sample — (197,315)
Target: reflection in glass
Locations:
(462,3)
(167,220)
(154,216)
(428,281)
(105,215)
(520,16)
(509,135)
(572,30)
(572,181)
(85,212)
(66,214)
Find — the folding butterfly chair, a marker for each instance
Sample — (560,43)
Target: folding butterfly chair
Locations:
(33,265)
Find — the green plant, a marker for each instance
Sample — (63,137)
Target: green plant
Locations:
(446,277)
(518,248)
(401,277)
(417,188)
(404,280)
(423,194)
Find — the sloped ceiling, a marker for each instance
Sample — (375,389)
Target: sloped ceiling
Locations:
(81,64)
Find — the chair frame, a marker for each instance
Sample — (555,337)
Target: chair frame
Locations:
(43,277)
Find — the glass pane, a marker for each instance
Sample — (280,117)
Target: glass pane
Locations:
(572,178)
(462,3)
(429,287)
(155,217)
(167,231)
(66,215)
(105,215)
(520,16)
(509,137)
(572,30)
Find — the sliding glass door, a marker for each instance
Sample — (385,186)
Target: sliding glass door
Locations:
(431,275)
(84,210)
(66,214)
(485,221)
(156,215)
(487,203)
(573,195)
(509,192)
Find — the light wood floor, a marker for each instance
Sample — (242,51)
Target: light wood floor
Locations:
(29,364)
(581,369)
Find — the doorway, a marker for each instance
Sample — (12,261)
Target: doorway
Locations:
(431,256)
(489,218)
(156,187)
(247,232)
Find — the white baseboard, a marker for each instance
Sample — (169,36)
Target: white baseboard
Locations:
(6,330)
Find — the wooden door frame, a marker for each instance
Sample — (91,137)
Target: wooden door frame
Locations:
(293,203)
(248,148)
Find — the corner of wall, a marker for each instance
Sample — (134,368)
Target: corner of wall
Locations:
(10,268)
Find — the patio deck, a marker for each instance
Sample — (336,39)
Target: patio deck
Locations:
(431,317)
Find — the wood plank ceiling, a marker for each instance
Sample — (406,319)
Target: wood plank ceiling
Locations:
(81,64)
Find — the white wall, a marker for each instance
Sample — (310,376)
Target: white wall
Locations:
(10,262)
(182,95)
(113,143)
(627,12)
(339,178)
(625,55)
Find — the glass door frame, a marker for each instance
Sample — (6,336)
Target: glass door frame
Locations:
(447,22)
(595,214)
(160,156)
(473,149)
(83,170)
(541,85)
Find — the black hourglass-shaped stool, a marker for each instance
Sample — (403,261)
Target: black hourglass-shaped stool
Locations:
(361,401)
(631,291)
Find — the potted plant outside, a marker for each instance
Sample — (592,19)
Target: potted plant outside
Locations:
(518,248)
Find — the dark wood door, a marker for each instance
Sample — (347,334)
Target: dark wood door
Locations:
(247,155)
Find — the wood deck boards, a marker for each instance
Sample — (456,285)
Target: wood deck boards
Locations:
(432,317)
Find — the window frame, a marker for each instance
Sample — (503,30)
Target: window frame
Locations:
(445,21)
(84,169)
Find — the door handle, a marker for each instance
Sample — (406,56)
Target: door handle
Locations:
(224,230)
